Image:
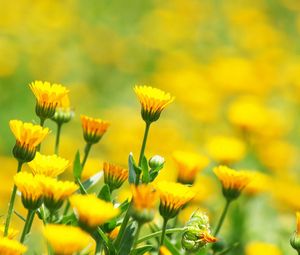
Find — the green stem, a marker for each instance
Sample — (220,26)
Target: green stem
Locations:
(11,202)
(107,242)
(28,224)
(163,233)
(59,125)
(66,208)
(123,227)
(136,236)
(42,121)
(142,152)
(158,233)
(87,149)
(81,187)
(221,220)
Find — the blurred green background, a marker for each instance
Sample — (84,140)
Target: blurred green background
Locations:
(212,55)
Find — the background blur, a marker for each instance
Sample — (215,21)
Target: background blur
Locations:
(233,66)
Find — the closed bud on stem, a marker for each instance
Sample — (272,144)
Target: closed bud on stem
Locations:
(156,161)
(295,239)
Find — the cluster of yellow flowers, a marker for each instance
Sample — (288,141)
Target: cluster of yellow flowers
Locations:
(98,223)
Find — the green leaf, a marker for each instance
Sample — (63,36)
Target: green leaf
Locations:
(124,206)
(77,169)
(142,249)
(133,169)
(104,193)
(145,170)
(69,219)
(153,173)
(127,240)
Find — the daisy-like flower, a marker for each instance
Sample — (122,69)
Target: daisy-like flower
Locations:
(30,188)
(92,211)
(261,248)
(153,101)
(67,240)
(173,196)
(55,192)
(48,96)
(12,233)
(28,137)
(93,129)
(51,166)
(189,164)
(114,176)
(163,250)
(144,199)
(11,247)
(295,239)
(233,182)
(226,149)
(63,112)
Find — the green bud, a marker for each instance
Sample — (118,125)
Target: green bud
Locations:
(295,241)
(156,161)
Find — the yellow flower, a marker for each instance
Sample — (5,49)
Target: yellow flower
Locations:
(92,211)
(144,199)
(233,182)
(173,196)
(30,189)
(114,176)
(153,101)
(48,97)
(51,166)
(63,112)
(260,248)
(189,164)
(11,247)
(12,233)
(67,240)
(163,250)
(114,233)
(93,129)
(28,136)
(55,192)
(226,150)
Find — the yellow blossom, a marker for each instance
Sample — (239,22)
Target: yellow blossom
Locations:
(189,164)
(30,189)
(12,233)
(11,247)
(92,211)
(55,192)
(48,165)
(93,129)
(28,136)
(225,149)
(153,101)
(261,248)
(48,97)
(67,240)
(173,196)
(114,233)
(63,112)
(144,199)
(163,250)
(233,182)
(114,175)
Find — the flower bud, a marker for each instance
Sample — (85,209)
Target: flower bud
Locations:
(156,161)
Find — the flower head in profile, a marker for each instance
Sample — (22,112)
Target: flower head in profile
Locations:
(114,175)
(93,129)
(11,247)
(144,199)
(233,182)
(48,165)
(67,240)
(173,197)
(30,188)
(261,248)
(163,250)
(114,233)
(55,192)
(153,101)
(12,233)
(48,96)
(28,137)
(189,164)
(226,149)
(92,211)
(63,112)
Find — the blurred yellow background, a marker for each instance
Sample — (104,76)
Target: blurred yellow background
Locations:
(233,66)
